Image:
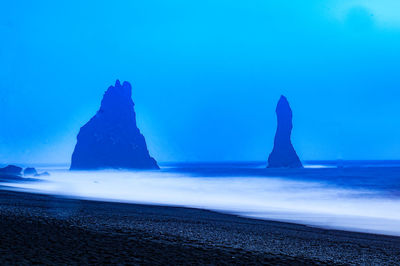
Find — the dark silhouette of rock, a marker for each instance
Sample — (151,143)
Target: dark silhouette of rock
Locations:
(283,154)
(30,171)
(11,170)
(111,139)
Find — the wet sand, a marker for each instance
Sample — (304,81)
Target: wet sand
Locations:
(54,230)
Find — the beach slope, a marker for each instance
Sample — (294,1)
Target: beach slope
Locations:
(52,230)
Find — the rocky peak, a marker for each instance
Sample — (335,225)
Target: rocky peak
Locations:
(111,139)
(283,154)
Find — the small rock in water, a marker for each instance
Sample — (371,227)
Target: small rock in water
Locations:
(30,171)
(11,170)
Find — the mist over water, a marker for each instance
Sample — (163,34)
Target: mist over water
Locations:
(313,201)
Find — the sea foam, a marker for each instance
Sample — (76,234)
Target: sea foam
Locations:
(277,198)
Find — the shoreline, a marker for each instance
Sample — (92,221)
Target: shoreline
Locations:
(170,235)
(239,198)
(219,211)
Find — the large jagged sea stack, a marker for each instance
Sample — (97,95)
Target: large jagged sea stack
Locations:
(283,154)
(111,139)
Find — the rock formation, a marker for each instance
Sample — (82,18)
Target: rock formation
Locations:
(11,170)
(111,139)
(30,171)
(283,154)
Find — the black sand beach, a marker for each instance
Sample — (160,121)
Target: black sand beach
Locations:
(52,230)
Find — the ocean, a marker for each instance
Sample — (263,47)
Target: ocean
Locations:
(362,196)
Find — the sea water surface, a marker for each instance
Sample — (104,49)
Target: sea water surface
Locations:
(359,196)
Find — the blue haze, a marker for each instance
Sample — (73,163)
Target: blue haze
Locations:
(206,76)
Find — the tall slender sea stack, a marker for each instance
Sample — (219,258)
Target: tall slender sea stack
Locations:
(283,154)
(111,139)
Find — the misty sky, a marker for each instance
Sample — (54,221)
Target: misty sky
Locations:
(206,75)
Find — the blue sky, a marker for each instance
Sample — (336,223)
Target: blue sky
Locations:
(206,76)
